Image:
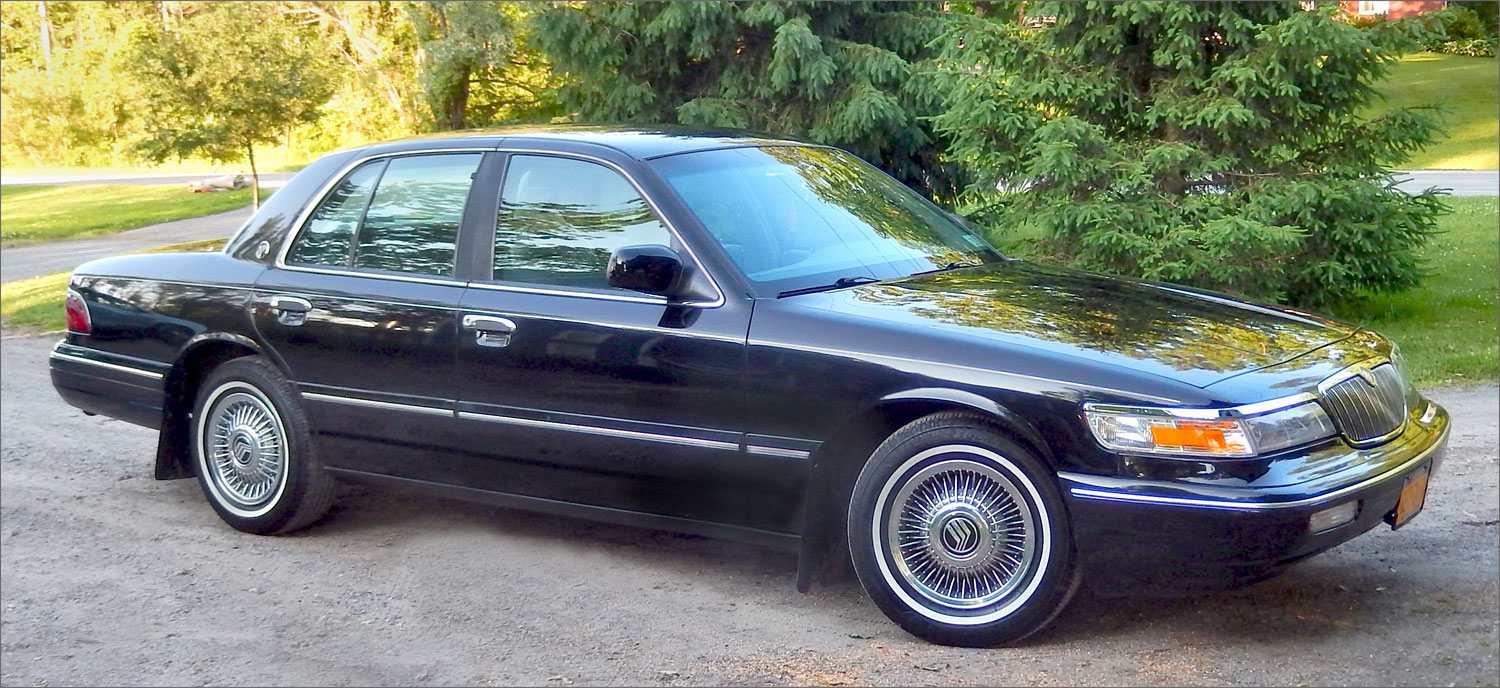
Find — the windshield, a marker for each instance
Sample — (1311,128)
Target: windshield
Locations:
(800,217)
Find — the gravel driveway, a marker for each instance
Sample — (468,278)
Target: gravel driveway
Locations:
(112,578)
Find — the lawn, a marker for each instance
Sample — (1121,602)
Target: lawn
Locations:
(1467,89)
(36,304)
(37,214)
(1448,327)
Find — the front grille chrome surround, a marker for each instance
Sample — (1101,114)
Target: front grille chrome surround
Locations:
(1367,402)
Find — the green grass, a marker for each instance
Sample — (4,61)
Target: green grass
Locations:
(1467,89)
(38,214)
(35,305)
(1448,327)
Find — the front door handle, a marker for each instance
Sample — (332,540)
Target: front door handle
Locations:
(490,331)
(290,310)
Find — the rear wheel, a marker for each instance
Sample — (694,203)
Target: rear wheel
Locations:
(960,535)
(254,452)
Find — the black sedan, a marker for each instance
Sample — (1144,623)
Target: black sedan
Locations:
(715,333)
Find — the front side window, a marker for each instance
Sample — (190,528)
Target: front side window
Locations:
(412,222)
(793,217)
(560,219)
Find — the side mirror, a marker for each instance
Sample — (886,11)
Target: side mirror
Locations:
(652,269)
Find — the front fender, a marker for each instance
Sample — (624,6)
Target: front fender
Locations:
(836,463)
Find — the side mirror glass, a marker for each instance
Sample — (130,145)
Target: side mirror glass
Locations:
(651,269)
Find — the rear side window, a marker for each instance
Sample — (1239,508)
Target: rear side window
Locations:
(328,237)
(560,219)
(400,215)
(412,223)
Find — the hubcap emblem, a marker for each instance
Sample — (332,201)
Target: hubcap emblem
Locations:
(242,449)
(960,535)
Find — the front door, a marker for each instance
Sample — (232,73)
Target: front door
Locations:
(576,391)
(361,310)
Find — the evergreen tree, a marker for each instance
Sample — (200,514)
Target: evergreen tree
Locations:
(1219,145)
(835,73)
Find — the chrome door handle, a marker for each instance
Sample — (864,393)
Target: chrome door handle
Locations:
(490,331)
(290,310)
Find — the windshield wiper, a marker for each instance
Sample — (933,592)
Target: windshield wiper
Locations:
(840,283)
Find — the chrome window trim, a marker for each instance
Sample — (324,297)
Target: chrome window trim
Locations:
(1228,413)
(445,281)
(323,191)
(300,223)
(371,403)
(777,452)
(595,430)
(1110,495)
(494,286)
(111,366)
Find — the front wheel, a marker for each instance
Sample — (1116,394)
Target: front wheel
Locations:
(255,459)
(960,535)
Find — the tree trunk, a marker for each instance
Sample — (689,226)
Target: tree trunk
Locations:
(46,33)
(458,102)
(254,177)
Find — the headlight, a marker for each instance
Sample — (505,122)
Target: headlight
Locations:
(1222,433)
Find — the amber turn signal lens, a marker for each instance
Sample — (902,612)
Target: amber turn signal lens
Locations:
(1202,436)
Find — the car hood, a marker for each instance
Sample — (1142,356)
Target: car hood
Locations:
(1175,332)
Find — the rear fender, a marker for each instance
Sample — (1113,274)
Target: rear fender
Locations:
(203,353)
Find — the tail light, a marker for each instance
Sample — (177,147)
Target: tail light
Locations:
(78,314)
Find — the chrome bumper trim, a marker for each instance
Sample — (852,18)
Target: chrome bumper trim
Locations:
(1112,496)
(110,366)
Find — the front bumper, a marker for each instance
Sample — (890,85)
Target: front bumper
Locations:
(1137,536)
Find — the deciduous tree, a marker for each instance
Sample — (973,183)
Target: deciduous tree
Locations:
(228,78)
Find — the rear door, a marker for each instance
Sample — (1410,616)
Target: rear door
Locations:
(576,391)
(361,309)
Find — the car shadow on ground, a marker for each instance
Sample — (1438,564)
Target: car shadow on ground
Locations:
(1306,601)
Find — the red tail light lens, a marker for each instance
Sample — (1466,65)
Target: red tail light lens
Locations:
(78,314)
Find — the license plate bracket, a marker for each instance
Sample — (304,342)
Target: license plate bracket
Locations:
(1413,498)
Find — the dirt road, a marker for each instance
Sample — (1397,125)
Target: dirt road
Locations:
(112,578)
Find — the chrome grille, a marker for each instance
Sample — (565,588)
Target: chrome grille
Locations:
(1365,411)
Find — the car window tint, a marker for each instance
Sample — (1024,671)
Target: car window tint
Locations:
(413,219)
(329,232)
(560,219)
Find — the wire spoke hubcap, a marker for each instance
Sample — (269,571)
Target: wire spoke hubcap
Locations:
(961,534)
(246,449)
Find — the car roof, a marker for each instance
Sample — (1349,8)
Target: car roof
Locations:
(639,141)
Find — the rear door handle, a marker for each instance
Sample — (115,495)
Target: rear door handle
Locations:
(290,310)
(490,331)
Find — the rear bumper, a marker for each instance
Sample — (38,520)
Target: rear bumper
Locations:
(1176,537)
(112,385)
